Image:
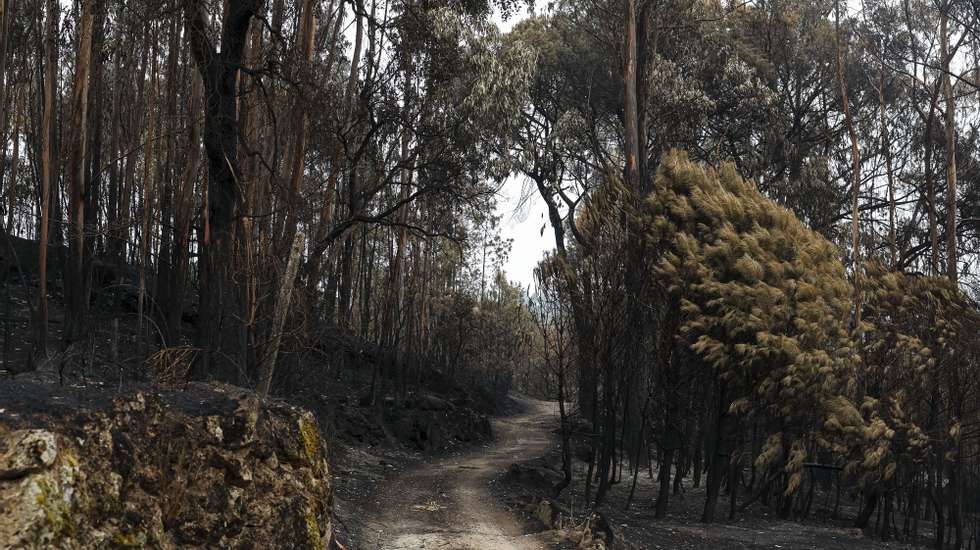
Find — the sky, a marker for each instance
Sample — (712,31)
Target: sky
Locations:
(522,221)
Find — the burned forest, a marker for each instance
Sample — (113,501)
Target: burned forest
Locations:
(490,274)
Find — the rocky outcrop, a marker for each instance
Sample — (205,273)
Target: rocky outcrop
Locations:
(203,467)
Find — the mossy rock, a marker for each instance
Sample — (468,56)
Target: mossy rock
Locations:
(202,467)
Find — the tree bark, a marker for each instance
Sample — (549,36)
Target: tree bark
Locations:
(163,293)
(328,209)
(630,113)
(719,457)
(74,276)
(951,270)
(931,194)
(268,364)
(183,214)
(307,26)
(889,171)
(5,18)
(94,191)
(12,184)
(146,205)
(219,294)
(39,348)
(855,170)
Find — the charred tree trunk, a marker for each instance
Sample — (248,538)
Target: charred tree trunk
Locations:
(183,215)
(6,9)
(39,348)
(74,274)
(720,455)
(163,292)
(219,294)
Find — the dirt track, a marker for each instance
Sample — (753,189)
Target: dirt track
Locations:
(447,504)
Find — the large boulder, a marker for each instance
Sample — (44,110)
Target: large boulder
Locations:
(206,466)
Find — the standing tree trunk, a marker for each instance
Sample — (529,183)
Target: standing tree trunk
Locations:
(219,294)
(855,170)
(50,74)
(14,165)
(889,171)
(931,193)
(328,209)
(268,365)
(951,270)
(630,113)
(146,241)
(720,453)
(307,28)
(74,275)
(94,192)
(5,18)
(183,214)
(163,296)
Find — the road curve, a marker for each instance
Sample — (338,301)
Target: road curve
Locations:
(446,504)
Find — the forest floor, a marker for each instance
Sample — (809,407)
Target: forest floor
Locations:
(467,499)
(755,528)
(447,502)
(458,495)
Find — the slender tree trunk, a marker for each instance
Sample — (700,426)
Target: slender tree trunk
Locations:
(670,438)
(93,186)
(720,455)
(931,194)
(12,184)
(886,148)
(50,74)
(146,240)
(666,458)
(566,436)
(329,207)
(951,269)
(268,365)
(183,214)
(698,452)
(630,118)
(220,292)
(163,291)
(855,170)
(607,433)
(74,275)
(307,27)
(640,448)
(6,9)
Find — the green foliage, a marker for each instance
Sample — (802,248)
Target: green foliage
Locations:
(478,82)
(920,338)
(764,299)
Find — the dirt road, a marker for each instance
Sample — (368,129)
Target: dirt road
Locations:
(447,504)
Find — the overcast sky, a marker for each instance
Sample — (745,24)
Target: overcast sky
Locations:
(523,224)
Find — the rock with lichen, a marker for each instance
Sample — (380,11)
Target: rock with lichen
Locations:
(206,466)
